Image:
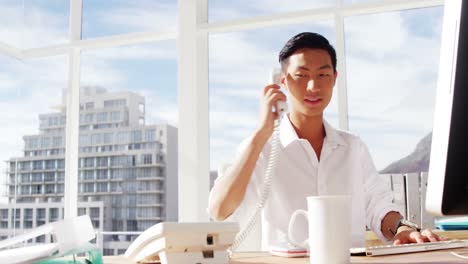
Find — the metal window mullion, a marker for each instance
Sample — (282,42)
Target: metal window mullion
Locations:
(99,43)
(72,113)
(341,80)
(193,131)
(317,14)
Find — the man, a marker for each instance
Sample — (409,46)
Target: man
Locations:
(314,158)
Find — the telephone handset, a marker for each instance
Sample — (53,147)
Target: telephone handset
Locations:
(281,108)
(275,78)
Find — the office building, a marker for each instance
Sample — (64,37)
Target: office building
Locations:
(127,169)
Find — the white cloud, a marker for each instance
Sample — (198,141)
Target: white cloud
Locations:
(141,16)
(392,77)
(32,26)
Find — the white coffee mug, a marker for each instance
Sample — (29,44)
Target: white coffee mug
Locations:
(329,219)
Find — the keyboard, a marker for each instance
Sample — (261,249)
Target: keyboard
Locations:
(408,248)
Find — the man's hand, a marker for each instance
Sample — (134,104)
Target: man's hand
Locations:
(407,235)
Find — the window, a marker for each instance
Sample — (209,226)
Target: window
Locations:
(57,141)
(49,188)
(94,212)
(115,115)
(81,211)
(150,135)
(36,189)
(49,177)
(136,136)
(89,105)
(147,159)
(101,117)
(102,187)
(36,177)
(88,187)
(50,164)
(41,213)
(115,103)
(53,213)
(237,97)
(28,213)
(88,162)
(102,161)
(45,141)
(382,101)
(101,174)
(37,165)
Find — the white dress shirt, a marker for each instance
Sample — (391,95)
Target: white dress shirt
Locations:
(345,168)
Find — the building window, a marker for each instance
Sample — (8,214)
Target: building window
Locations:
(102,161)
(89,105)
(108,251)
(37,165)
(101,174)
(36,177)
(102,187)
(60,188)
(89,118)
(53,213)
(36,189)
(101,117)
(24,190)
(114,103)
(147,159)
(115,116)
(136,136)
(25,177)
(88,187)
(57,141)
(50,188)
(89,162)
(41,213)
(94,212)
(49,176)
(50,164)
(81,211)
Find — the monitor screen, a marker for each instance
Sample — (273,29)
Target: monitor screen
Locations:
(447,190)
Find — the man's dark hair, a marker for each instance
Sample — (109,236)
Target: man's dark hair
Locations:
(306,40)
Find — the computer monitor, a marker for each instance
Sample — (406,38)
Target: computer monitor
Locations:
(447,190)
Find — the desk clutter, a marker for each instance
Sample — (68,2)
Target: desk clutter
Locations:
(70,238)
(452,223)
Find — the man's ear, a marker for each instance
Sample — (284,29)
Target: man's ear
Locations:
(283,80)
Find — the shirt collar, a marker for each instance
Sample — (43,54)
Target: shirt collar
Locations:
(288,133)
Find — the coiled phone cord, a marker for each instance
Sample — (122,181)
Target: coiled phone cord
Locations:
(266,188)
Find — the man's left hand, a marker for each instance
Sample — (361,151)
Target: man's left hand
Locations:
(407,235)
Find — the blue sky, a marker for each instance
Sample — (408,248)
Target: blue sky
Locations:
(391,68)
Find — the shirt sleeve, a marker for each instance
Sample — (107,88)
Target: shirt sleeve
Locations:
(378,195)
(247,207)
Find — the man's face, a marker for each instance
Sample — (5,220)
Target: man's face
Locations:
(309,78)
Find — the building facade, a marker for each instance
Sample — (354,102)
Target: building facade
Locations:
(128,166)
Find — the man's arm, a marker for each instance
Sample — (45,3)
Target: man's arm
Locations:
(229,190)
(389,223)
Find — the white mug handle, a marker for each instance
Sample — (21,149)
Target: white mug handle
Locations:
(292,220)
